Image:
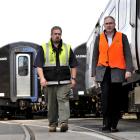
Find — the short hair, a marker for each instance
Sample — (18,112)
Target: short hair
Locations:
(55,28)
(109,17)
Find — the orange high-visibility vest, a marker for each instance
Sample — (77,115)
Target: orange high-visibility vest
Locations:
(112,55)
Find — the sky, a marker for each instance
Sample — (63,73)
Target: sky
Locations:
(32,20)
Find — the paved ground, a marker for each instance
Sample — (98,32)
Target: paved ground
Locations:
(79,129)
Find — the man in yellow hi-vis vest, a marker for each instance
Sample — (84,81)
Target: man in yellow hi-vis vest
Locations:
(56,67)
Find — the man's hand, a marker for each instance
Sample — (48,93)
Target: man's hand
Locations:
(127,74)
(95,84)
(73,83)
(43,82)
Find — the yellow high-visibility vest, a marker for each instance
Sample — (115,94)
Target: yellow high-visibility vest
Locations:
(50,55)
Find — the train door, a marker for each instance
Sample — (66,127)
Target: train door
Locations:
(23,75)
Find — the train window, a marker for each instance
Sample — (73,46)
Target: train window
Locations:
(122,13)
(23,65)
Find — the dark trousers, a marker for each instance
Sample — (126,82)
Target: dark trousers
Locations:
(111,100)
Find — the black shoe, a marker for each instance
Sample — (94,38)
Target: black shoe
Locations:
(114,130)
(106,129)
(63,127)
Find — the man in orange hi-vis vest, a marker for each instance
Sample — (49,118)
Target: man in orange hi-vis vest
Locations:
(112,65)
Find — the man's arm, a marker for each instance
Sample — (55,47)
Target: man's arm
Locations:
(39,61)
(43,81)
(128,57)
(73,76)
(73,64)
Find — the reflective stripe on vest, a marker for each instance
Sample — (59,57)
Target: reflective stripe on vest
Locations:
(50,55)
(112,56)
(60,82)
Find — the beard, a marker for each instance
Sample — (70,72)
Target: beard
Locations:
(57,40)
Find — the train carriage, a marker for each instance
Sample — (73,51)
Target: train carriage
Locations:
(18,78)
(127,16)
(81,104)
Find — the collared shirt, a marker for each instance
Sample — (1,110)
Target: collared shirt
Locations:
(110,37)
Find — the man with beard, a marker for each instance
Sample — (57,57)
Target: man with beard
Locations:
(56,67)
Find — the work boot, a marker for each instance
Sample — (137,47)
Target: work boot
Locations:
(63,127)
(114,130)
(106,129)
(52,128)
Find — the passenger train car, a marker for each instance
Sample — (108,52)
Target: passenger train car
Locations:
(81,104)
(20,91)
(18,78)
(127,16)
